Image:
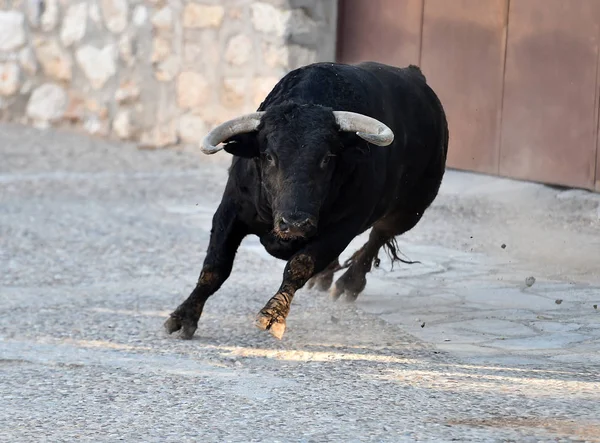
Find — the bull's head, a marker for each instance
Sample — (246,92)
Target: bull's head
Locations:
(294,146)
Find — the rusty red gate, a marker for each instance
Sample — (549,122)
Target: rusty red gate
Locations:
(519,78)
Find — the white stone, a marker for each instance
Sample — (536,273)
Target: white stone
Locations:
(9,78)
(168,69)
(127,92)
(268,19)
(122,124)
(74,24)
(47,103)
(93,125)
(192,90)
(12,30)
(163,18)
(275,56)
(98,65)
(94,13)
(300,23)
(234,91)
(56,63)
(115,14)
(140,15)
(27,61)
(202,16)
(49,18)
(239,50)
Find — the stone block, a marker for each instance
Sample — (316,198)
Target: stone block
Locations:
(193,90)
(163,19)
(74,24)
(47,103)
(115,13)
(269,19)
(98,65)
(202,16)
(233,93)
(239,50)
(12,30)
(9,78)
(55,61)
(127,92)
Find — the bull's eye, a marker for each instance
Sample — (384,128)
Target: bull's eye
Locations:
(269,157)
(326,160)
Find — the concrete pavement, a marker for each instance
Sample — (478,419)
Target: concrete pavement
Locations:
(100,241)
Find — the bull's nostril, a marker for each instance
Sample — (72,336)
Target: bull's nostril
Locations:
(305,223)
(283,225)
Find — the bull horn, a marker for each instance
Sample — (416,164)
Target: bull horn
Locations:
(240,125)
(366,127)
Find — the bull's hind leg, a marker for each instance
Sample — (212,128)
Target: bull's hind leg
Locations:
(354,280)
(383,234)
(324,279)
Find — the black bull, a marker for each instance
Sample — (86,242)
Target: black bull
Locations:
(307,179)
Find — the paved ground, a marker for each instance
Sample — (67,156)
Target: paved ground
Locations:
(99,242)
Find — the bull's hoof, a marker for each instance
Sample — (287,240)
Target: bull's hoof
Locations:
(351,284)
(274,323)
(186,327)
(322,282)
(324,279)
(336,292)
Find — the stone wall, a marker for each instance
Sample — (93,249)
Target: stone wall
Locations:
(160,72)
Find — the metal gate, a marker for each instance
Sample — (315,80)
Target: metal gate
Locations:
(519,78)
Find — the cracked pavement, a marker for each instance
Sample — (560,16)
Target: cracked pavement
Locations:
(99,241)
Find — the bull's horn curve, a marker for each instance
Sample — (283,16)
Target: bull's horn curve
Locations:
(240,125)
(367,128)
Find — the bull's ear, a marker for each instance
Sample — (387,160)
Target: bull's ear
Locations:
(243,145)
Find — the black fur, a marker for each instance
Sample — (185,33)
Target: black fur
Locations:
(298,162)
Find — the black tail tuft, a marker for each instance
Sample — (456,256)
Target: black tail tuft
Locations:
(391,247)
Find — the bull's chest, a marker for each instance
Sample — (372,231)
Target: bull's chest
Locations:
(278,248)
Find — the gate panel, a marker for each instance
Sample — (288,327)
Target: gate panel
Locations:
(549,119)
(386,31)
(463,59)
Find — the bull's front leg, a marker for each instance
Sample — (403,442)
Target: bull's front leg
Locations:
(226,235)
(311,260)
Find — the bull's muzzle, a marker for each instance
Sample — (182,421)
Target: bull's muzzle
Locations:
(297,224)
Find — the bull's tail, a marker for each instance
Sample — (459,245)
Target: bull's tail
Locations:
(392,250)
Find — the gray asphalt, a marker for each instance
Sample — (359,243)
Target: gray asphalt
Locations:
(100,241)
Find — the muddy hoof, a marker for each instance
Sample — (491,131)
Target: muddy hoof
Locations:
(186,328)
(274,323)
(337,291)
(350,284)
(320,282)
